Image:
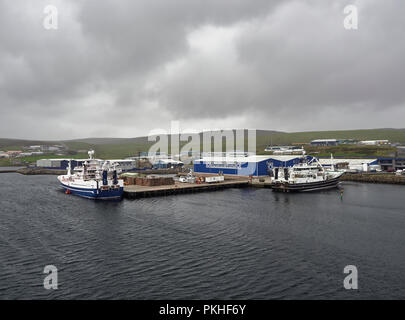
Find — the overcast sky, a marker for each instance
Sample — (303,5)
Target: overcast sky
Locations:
(122,68)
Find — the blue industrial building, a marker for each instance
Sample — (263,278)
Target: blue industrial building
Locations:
(391,164)
(244,166)
(59,163)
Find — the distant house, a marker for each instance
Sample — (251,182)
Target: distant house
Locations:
(324,142)
(13,153)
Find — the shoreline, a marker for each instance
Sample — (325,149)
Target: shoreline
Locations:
(8,170)
(384,178)
(45,171)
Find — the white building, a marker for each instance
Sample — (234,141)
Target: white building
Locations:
(35,147)
(287,150)
(374,142)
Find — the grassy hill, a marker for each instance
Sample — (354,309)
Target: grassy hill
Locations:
(17,144)
(115,148)
(284,138)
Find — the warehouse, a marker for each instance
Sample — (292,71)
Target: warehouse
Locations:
(244,165)
(58,163)
(324,142)
(391,164)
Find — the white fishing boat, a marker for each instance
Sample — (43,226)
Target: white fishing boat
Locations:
(306,176)
(93,180)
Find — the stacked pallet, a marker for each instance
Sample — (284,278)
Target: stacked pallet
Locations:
(154,181)
(129,180)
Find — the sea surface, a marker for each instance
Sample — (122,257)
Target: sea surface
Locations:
(232,244)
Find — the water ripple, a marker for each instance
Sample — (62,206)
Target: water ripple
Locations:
(231,244)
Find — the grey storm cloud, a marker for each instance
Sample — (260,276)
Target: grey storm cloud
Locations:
(123,68)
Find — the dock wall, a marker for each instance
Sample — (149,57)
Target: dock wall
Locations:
(135,192)
(389,178)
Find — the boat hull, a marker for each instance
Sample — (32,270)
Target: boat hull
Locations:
(306,187)
(96,194)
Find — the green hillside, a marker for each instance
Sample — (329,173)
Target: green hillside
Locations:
(116,148)
(283,138)
(17,144)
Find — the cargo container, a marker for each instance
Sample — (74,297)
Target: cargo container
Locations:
(214,179)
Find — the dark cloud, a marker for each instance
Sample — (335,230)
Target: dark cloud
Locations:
(122,68)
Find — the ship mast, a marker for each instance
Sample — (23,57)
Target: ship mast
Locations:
(332,162)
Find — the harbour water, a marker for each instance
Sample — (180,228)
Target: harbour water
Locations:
(230,244)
